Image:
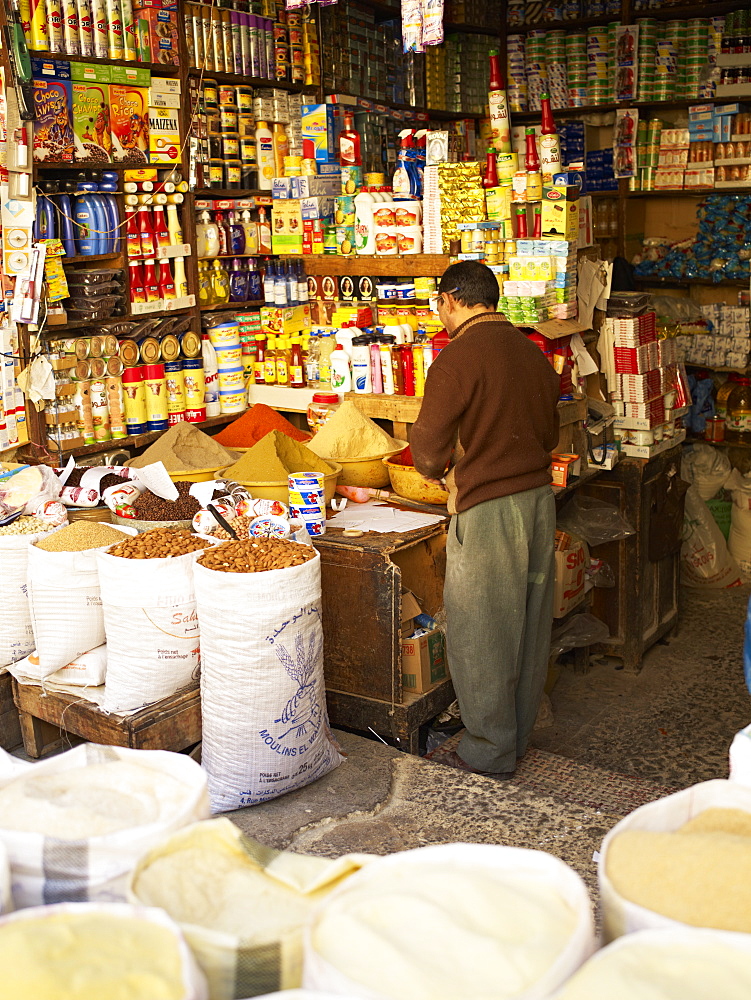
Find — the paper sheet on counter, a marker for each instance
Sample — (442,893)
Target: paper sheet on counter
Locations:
(378,516)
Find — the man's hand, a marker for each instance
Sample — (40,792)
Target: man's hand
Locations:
(435,482)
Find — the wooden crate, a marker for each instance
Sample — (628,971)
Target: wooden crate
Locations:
(10,727)
(46,719)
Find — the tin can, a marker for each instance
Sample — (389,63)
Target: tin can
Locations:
(134,400)
(98,367)
(96,347)
(157,414)
(190,344)
(83,370)
(114,367)
(100,410)
(129,353)
(116,406)
(175,383)
(81,349)
(170,347)
(109,342)
(151,352)
(195,387)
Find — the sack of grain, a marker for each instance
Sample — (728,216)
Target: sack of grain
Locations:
(263,702)
(75,825)
(64,597)
(242,906)
(87,670)
(16,631)
(687,962)
(456,920)
(740,754)
(6,899)
(152,630)
(102,950)
(703,877)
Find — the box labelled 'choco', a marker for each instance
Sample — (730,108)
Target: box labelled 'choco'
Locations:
(129,123)
(91,121)
(53,129)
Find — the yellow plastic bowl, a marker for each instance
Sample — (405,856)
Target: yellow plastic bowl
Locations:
(195,475)
(408,483)
(278,490)
(368,472)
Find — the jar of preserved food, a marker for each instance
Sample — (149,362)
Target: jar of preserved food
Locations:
(321,408)
(738,418)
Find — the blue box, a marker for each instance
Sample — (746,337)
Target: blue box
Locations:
(322,123)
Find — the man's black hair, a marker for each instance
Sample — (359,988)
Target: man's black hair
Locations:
(471,283)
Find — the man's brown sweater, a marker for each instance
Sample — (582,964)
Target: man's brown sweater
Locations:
(490,399)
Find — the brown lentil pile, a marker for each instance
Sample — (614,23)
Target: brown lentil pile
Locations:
(159,543)
(150,507)
(26,524)
(256,555)
(240,524)
(79,536)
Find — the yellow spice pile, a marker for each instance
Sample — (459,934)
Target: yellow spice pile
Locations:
(348,434)
(273,458)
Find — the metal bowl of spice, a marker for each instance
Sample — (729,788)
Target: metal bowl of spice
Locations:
(155,512)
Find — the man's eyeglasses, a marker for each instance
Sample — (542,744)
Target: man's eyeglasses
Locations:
(440,299)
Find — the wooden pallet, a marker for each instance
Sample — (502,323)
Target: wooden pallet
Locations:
(46,719)
(10,727)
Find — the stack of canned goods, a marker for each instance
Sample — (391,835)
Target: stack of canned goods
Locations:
(576,68)
(598,66)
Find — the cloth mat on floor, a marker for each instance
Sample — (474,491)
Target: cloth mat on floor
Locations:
(593,787)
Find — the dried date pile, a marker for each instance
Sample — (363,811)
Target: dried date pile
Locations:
(150,507)
(159,543)
(256,555)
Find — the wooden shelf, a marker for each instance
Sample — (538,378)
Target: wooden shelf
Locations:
(230,193)
(470,29)
(682,282)
(689,192)
(380,406)
(90,258)
(714,368)
(250,81)
(136,440)
(158,69)
(232,305)
(423,265)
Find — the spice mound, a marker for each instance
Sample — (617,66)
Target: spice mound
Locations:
(79,536)
(149,507)
(273,458)
(26,524)
(349,434)
(159,543)
(255,424)
(696,874)
(257,555)
(182,448)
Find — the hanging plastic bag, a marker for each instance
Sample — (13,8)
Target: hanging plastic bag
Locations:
(593,520)
(581,630)
(705,559)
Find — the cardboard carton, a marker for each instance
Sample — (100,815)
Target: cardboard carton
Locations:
(424,657)
(571,561)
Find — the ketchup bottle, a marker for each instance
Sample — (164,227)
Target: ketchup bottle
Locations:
(132,235)
(146,232)
(150,281)
(161,232)
(407,364)
(166,281)
(135,274)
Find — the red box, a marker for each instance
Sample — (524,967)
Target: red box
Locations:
(640,388)
(636,360)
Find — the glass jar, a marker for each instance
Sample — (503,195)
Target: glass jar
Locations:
(320,409)
(738,418)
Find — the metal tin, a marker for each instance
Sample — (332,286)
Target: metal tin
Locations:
(190,344)
(129,354)
(83,370)
(96,347)
(114,366)
(150,351)
(98,367)
(110,345)
(81,349)
(170,348)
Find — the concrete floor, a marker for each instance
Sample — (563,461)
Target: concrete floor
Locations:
(618,740)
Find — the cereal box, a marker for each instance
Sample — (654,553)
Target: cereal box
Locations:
(161,26)
(53,132)
(129,122)
(91,122)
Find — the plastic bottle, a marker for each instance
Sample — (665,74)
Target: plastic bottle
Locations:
(387,367)
(396,368)
(324,360)
(721,400)
(45,224)
(311,361)
(280,285)
(150,281)
(236,235)
(265,155)
(419,371)
(291,279)
(297,378)
(238,282)
(251,232)
(303,295)
(364,224)
(407,365)
(222,231)
(113,223)
(269,366)
(376,375)
(281,148)
(66,223)
(738,417)
(550,143)
(532,166)
(135,276)
(181,281)
(211,377)
(161,232)
(146,231)
(83,215)
(341,378)
(345,336)
(349,142)
(173,224)
(219,282)
(166,282)
(255,288)
(361,377)
(490,177)
(282,361)
(259,365)
(404,181)
(264,232)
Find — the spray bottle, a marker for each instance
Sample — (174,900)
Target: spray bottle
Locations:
(404,182)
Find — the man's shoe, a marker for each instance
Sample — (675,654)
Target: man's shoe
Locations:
(450,758)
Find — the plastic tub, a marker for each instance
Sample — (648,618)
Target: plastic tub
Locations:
(408,483)
(278,490)
(366,471)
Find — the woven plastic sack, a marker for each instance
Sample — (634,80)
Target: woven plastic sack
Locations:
(6,900)
(152,630)
(740,754)
(685,962)
(543,873)
(706,468)
(48,868)
(87,670)
(705,560)
(16,632)
(65,604)
(620,915)
(237,965)
(92,975)
(263,702)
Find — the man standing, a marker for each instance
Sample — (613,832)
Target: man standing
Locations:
(490,407)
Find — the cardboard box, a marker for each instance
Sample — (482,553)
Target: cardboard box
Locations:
(424,657)
(322,124)
(129,123)
(164,136)
(161,26)
(560,213)
(571,561)
(91,120)
(564,467)
(53,128)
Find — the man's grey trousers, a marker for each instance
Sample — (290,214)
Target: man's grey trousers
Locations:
(499,605)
